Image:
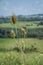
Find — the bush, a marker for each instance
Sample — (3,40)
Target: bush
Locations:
(41,23)
(33,33)
(33,48)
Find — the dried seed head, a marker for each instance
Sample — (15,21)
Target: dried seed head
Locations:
(23,31)
(14,20)
(12,33)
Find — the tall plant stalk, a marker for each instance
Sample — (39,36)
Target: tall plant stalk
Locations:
(14,20)
(23,46)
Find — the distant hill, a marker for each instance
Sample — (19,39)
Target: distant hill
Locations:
(5,19)
(35,17)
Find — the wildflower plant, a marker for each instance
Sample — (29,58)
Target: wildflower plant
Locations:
(12,33)
(23,45)
(23,32)
(14,21)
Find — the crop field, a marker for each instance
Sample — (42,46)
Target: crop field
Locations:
(21,51)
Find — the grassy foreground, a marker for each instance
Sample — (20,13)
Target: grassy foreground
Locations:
(10,56)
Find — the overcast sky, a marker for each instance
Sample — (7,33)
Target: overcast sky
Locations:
(21,7)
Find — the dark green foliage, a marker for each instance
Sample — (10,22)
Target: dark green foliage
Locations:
(5,20)
(16,49)
(41,23)
(33,48)
(37,32)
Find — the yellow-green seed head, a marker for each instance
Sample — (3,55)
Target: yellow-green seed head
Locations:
(14,19)
(12,33)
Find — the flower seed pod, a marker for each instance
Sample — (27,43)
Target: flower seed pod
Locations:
(12,33)
(23,31)
(14,20)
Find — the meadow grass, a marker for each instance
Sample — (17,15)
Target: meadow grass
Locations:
(11,43)
(13,57)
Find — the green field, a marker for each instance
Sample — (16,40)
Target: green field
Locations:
(22,24)
(10,53)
